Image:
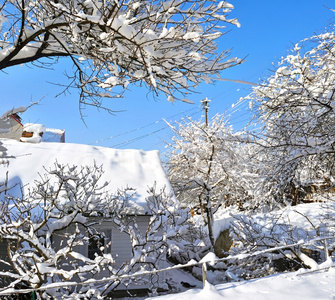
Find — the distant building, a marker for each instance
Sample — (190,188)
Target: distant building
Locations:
(10,124)
(11,127)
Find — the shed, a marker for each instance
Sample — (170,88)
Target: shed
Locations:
(122,168)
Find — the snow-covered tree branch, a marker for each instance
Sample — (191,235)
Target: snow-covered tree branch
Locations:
(288,226)
(61,231)
(170,46)
(163,233)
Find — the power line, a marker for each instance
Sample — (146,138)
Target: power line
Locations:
(236,80)
(137,138)
(142,127)
(232,111)
(146,135)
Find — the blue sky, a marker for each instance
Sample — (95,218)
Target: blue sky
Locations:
(268,30)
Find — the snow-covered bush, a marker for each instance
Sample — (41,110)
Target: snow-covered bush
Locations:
(58,206)
(164,235)
(291,225)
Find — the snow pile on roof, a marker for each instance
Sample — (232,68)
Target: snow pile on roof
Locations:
(36,129)
(123,168)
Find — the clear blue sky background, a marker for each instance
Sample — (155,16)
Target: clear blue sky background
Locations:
(268,30)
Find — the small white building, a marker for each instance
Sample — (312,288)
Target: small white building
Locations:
(122,168)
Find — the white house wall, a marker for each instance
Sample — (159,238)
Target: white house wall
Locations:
(121,248)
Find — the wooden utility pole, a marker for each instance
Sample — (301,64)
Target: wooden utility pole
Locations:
(205,103)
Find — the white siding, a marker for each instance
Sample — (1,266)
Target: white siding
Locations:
(121,248)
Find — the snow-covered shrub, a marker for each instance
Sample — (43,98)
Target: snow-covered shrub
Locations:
(288,226)
(57,207)
(163,234)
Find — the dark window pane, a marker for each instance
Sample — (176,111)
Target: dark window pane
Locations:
(94,246)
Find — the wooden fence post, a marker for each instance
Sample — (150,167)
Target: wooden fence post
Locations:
(204,274)
(326,249)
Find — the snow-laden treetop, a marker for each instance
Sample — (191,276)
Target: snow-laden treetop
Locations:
(168,45)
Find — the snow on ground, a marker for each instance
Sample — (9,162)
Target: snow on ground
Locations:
(307,221)
(298,285)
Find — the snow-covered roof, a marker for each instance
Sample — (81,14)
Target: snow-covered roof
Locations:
(54,135)
(123,168)
(13,111)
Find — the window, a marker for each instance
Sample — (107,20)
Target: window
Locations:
(94,246)
(97,241)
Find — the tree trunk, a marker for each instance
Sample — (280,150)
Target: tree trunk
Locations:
(210,219)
